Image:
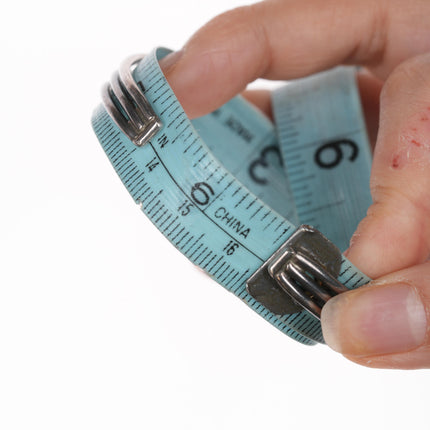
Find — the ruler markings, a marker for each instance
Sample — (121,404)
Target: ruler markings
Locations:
(191,256)
(176,117)
(174,228)
(161,95)
(183,120)
(137,183)
(195,243)
(180,134)
(145,206)
(210,261)
(219,268)
(244,197)
(265,215)
(159,210)
(284,232)
(115,150)
(212,174)
(143,191)
(281,223)
(206,256)
(153,207)
(177,234)
(165,100)
(350,278)
(191,144)
(215,264)
(172,120)
(256,212)
(152,86)
(182,238)
(188,241)
(160,217)
(357,282)
(237,190)
(227,284)
(222,177)
(122,169)
(228,274)
(167,108)
(239,280)
(120,152)
(270,223)
(167,228)
(132,175)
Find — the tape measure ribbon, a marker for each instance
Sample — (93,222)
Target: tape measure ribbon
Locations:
(216,214)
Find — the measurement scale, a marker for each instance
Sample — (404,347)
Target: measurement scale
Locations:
(228,189)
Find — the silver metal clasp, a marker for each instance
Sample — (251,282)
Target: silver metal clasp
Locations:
(125,102)
(302,273)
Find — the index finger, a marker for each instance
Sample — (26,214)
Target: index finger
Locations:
(286,39)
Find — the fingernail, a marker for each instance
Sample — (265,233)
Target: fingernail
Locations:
(170,60)
(374,320)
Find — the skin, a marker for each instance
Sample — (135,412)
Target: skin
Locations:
(286,39)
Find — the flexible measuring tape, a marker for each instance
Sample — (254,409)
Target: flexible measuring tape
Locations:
(217,188)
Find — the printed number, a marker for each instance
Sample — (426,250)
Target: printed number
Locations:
(201,192)
(152,164)
(335,146)
(185,208)
(162,141)
(231,247)
(262,162)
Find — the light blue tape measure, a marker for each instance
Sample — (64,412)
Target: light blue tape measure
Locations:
(226,189)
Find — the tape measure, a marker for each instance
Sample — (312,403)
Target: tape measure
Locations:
(228,189)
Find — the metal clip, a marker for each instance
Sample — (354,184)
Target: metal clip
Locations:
(125,102)
(306,268)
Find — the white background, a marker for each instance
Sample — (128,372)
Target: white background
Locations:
(103,325)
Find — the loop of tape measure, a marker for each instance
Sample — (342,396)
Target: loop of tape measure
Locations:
(227,189)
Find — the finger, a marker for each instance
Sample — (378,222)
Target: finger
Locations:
(370,90)
(385,324)
(289,39)
(396,232)
(261,99)
(368,86)
(385,320)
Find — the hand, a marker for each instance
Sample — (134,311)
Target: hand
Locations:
(384,324)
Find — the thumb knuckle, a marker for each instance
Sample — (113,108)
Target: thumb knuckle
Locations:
(411,77)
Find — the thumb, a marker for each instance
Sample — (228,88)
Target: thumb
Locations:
(386,323)
(396,231)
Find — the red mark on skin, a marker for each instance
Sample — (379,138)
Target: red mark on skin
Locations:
(414,142)
(399,160)
(395,164)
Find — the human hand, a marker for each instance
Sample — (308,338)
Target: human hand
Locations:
(385,324)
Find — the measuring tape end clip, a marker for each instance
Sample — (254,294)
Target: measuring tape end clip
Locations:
(302,273)
(126,104)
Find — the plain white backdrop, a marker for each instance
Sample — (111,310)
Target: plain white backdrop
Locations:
(103,324)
